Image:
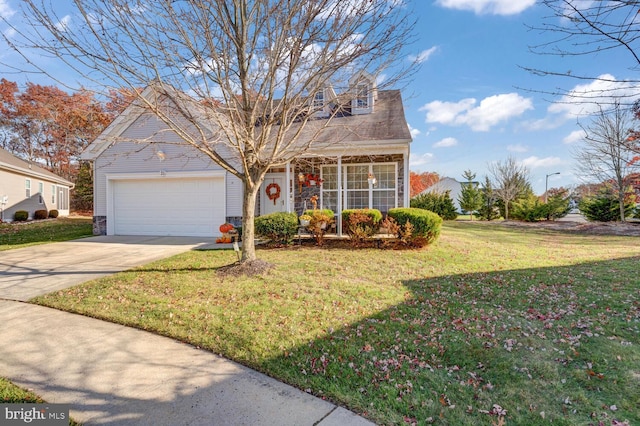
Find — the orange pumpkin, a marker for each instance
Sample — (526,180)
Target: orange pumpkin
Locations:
(226,227)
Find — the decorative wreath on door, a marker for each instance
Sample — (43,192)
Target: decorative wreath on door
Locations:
(273,192)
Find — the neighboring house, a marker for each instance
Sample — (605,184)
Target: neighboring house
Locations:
(447,184)
(146,182)
(30,187)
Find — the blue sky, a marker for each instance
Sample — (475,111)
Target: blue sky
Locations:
(471,103)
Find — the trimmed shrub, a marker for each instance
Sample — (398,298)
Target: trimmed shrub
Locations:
(327,212)
(439,203)
(40,214)
(21,215)
(418,227)
(374,215)
(361,224)
(53,214)
(279,227)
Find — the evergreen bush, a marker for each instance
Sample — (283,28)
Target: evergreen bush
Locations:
(40,214)
(279,227)
(21,215)
(424,225)
(439,203)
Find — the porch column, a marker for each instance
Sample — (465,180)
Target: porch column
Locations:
(339,221)
(287,187)
(407,185)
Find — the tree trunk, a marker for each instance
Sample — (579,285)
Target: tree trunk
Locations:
(248,219)
(621,203)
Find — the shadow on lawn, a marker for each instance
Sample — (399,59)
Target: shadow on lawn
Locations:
(545,344)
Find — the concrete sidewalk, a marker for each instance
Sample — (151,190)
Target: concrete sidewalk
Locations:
(112,374)
(118,375)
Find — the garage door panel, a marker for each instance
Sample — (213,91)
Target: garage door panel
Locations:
(184,207)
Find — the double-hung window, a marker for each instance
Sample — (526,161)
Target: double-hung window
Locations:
(27,188)
(362,96)
(40,192)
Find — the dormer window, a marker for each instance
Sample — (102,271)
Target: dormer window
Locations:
(318,100)
(363,88)
(362,96)
(321,102)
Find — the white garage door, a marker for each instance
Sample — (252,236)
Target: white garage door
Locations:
(179,206)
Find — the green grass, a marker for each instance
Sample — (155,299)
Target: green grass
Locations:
(487,326)
(12,394)
(23,234)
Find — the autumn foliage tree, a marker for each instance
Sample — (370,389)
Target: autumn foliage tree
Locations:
(421,181)
(49,127)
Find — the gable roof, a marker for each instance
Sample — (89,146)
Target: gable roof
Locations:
(14,164)
(386,125)
(443,185)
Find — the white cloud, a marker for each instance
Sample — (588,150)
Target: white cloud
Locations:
(446,143)
(10,32)
(416,161)
(517,148)
(534,162)
(493,7)
(573,137)
(423,56)
(490,112)
(63,24)
(585,99)
(414,132)
(5,10)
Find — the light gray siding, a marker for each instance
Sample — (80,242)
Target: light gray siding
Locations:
(159,151)
(234,196)
(13,185)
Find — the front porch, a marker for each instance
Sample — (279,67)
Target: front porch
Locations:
(339,183)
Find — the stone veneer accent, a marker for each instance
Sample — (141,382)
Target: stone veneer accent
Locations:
(99,225)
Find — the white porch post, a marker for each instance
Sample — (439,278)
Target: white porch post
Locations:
(339,224)
(287,190)
(407,185)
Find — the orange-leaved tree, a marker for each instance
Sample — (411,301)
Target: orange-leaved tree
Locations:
(421,181)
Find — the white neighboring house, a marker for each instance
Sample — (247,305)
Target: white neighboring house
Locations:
(147,181)
(26,186)
(447,184)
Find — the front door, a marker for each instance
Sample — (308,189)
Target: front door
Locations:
(273,193)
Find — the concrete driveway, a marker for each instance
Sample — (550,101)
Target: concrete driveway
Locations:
(33,271)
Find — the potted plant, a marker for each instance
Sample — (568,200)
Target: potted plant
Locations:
(305,219)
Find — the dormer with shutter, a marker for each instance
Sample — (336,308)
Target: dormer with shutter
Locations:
(363,87)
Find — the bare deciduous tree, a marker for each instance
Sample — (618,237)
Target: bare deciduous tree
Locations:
(590,28)
(509,179)
(605,156)
(250,68)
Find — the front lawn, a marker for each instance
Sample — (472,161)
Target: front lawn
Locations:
(489,326)
(23,234)
(12,394)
